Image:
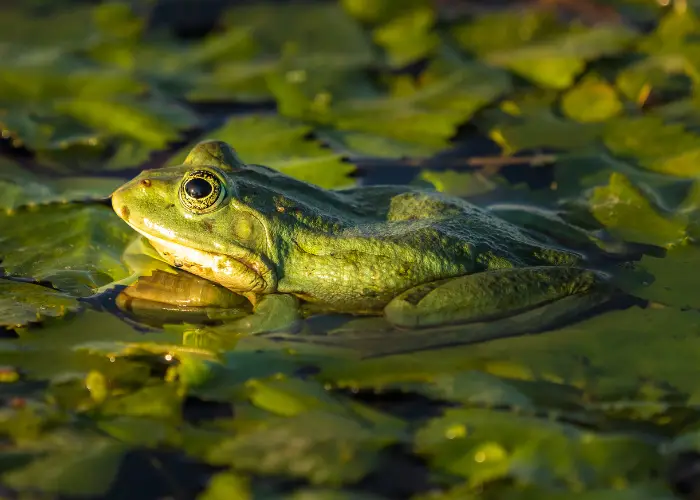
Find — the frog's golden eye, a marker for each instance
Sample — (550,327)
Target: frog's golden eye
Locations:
(201,191)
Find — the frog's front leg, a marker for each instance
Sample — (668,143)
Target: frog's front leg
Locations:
(491,295)
(271,313)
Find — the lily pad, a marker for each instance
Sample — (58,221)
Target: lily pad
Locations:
(487,445)
(591,100)
(661,147)
(81,466)
(321,447)
(25,303)
(19,188)
(627,213)
(671,285)
(536,46)
(409,37)
(280,143)
(76,248)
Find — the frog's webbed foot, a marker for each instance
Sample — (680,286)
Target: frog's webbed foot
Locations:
(273,313)
(493,295)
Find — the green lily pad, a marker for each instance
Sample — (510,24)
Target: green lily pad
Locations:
(321,31)
(671,285)
(408,37)
(76,248)
(486,445)
(25,303)
(658,146)
(227,485)
(321,447)
(280,143)
(19,188)
(380,11)
(591,100)
(628,214)
(79,466)
(459,183)
(534,45)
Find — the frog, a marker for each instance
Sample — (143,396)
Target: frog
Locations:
(415,256)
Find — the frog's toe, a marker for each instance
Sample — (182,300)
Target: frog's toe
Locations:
(424,305)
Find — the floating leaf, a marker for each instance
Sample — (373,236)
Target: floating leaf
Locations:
(627,213)
(486,445)
(409,37)
(77,249)
(227,486)
(321,447)
(18,188)
(25,303)
(658,146)
(85,466)
(591,100)
(459,183)
(535,46)
(280,143)
(378,11)
(671,285)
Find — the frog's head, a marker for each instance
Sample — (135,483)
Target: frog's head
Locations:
(192,216)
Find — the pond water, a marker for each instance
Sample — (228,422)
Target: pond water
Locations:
(585,112)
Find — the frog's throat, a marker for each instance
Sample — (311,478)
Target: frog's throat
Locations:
(241,272)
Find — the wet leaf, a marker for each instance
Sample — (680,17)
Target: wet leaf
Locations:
(627,213)
(486,445)
(457,183)
(671,285)
(85,467)
(19,188)
(591,100)
(25,303)
(321,447)
(544,130)
(409,37)
(379,11)
(536,46)
(658,146)
(227,486)
(280,143)
(76,248)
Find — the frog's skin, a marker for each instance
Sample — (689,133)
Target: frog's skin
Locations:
(419,257)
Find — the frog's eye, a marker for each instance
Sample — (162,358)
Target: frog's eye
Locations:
(201,191)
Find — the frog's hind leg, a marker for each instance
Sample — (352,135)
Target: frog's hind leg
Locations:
(492,295)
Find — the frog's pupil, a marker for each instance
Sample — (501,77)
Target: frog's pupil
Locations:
(198,188)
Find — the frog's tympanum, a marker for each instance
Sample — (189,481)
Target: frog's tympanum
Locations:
(419,257)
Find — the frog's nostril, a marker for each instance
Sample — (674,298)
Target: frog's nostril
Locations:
(146,182)
(125,212)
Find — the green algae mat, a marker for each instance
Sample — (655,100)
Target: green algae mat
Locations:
(585,108)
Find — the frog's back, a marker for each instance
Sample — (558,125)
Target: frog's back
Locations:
(412,237)
(423,218)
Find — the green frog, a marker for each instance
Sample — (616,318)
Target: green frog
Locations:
(416,256)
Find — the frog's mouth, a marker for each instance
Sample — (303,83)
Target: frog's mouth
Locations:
(242,272)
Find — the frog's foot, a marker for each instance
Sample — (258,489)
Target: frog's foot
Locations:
(272,313)
(492,295)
